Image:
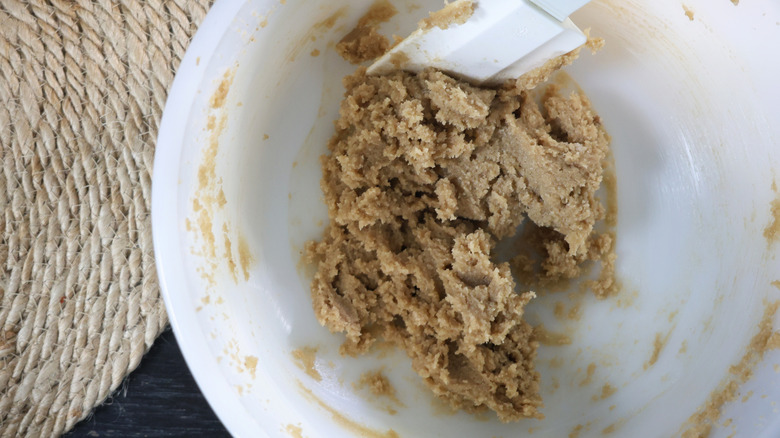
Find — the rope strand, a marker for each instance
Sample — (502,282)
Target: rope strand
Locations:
(82,88)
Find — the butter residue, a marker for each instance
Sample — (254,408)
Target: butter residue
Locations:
(305,358)
(658,345)
(589,375)
(688,12)
(378,384)
(245,256)
(683,348)
(329,22)
(217,100)
(606,391)
(546,337)
(250,363)
(701,422)
(613,427)
(380,387)
(345,422)
(229,252)
(209,196)
(294,431)
(772,230)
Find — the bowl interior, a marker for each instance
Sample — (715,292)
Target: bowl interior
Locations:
(690,106)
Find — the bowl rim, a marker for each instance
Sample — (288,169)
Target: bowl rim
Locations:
(166,221)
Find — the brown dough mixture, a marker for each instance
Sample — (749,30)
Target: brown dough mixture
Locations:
(378,384)
(425,174)
(364,42)
(457,12)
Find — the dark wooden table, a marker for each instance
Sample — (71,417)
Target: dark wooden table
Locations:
(159,399)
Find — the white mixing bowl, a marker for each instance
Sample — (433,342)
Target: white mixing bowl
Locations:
(693,108)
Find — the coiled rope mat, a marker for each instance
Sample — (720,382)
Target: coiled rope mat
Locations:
(82,88)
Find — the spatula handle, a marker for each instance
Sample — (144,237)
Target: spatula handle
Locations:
(560,9)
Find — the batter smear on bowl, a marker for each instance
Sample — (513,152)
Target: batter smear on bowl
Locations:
(425,175)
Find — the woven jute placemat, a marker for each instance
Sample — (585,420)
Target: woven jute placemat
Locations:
(82,89)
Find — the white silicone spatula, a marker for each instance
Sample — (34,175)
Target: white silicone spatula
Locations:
(501,40)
